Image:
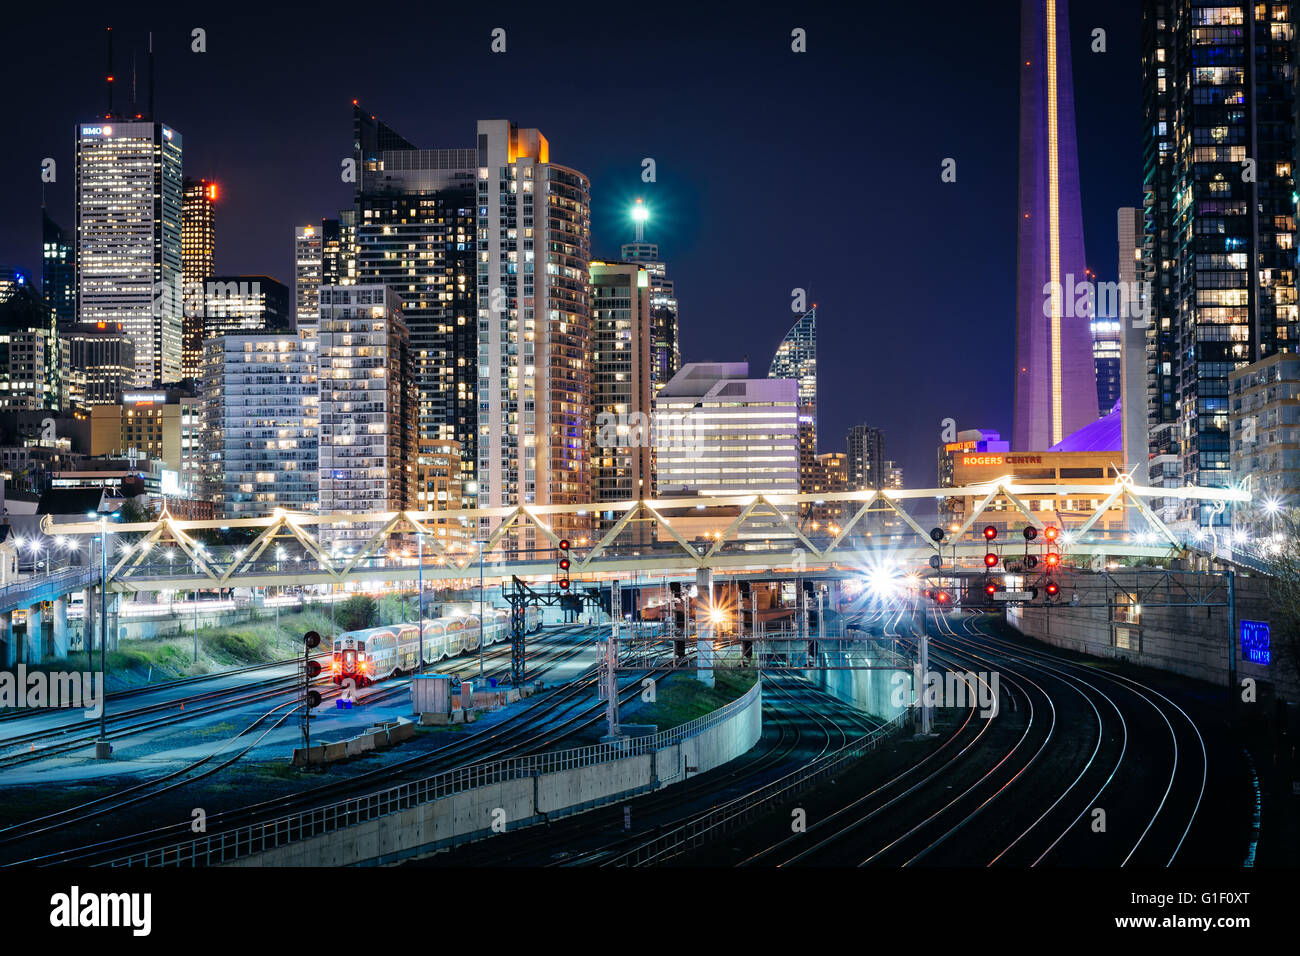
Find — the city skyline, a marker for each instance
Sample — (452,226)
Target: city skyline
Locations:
(295,182)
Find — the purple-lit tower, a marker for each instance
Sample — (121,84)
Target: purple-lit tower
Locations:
(1056,387)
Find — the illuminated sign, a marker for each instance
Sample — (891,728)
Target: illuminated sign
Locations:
(1002,459)
(96,131)
(144,398)
(1256,646)
(960,445)
(171,483)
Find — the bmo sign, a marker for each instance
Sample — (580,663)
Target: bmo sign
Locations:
(96,131)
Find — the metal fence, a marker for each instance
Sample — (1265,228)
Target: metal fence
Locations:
(32,588)
(230,845)
(704,827)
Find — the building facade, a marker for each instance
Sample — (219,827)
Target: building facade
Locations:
(128,262)
(622,392)
(866,457)
(367,406)
(261,415)
(58,272)
(307,259)
(665,353)
(719,432)
(198,262)
(1218,180)
(534,324)
(235,304)
(160,425)
(101,364)
(796,358)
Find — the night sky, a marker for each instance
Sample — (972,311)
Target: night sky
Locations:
(775,170)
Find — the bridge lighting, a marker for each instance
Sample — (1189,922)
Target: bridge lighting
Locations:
(717,615)
(1272,506)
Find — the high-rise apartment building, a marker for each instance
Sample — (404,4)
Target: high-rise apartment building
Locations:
(534,324)
(1134,322)
(1218,183)
(58,273)
(622,392)
(234,304)
(415,233)
(307,261)
(128,262)
(796,358)
(198,262)
(261,413)
(1055,384)
(367,406)
(866,448)
(665,354)
(719,432)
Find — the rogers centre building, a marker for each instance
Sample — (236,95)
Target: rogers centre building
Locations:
(1041,468)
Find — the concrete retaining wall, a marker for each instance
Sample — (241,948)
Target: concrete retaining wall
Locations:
(868,691)
(1192,641)
(469,816)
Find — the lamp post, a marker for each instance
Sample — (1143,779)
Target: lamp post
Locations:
(481,634)
(103,749)
(419,560)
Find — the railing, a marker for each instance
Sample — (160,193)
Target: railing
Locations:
(714,822)
(14,595)
(230,845)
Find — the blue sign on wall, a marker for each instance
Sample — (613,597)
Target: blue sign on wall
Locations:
(1255,646)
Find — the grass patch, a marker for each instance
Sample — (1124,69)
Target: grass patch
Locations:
(680,699)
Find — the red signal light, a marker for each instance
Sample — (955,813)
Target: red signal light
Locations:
(942,597)
(1050,533)
(1053,588)
(564,564)
(990,532)
(990,589)
(564,584)
(990,560)
(564,544)
(1053,560)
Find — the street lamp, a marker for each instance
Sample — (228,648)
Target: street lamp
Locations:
(419,560)
(481,633)
(103,749)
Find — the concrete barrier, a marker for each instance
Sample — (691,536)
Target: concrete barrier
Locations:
(377,737)
(480,812)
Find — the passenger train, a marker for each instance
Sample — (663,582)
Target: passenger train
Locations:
(375,653)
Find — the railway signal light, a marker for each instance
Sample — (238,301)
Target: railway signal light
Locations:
(990,560)
(1030,532)
(313,699)
(1053,560)
(564,564)
(936,535)
(311,639)
(564,544)
(990,532)
(936,562)
(1050,533)
(313,669)
(990,589)
(1053,589)
(564,584)
(1031,562)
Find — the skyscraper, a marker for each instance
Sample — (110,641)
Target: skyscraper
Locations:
(621,391)
(665,354)
(1218,185)
(866,447)
(1133,341)
(58,273)
(1055,387)
(30,368)
(415,217)
(534,324)
(198,262)
(796,358)
(129,269)
(307,262)
(367,406)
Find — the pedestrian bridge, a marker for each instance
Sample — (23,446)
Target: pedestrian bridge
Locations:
(781,533)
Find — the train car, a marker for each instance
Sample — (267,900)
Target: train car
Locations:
(350,660)
(375,653)
(532,620)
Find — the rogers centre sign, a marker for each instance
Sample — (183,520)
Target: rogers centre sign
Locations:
(1001,459)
